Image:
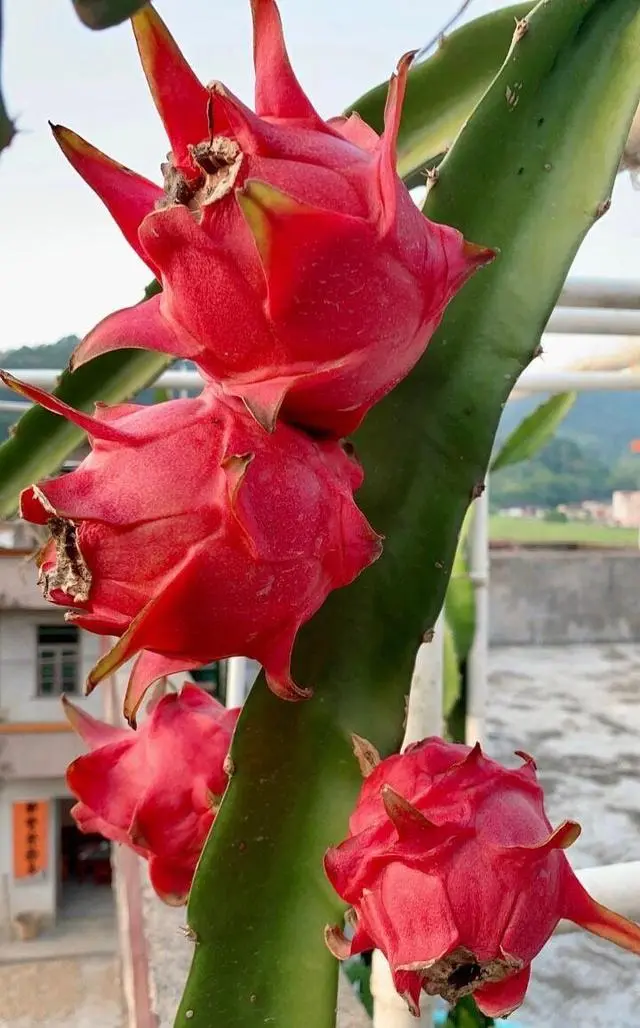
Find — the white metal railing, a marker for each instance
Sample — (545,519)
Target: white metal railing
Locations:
(424,717)
(531,381)
(614,293)
(585,307)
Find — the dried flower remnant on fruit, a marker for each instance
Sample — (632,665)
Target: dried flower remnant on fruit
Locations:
(70,575)
(296,269)
(190,504)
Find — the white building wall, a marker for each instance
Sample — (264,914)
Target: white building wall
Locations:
(625,508)
(36,895)
(20,704)
(18,668)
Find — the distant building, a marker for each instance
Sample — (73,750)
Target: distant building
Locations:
(40,658)
(522,512)
(625,508)
(599,511)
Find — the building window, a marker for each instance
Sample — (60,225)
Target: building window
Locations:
(58,659)
(211,678)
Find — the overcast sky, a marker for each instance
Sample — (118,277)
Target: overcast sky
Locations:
(63,263)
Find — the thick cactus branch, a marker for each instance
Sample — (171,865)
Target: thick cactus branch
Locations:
(521,177)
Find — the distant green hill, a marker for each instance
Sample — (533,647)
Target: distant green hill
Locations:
(588,459)
(604,423)
(45,355)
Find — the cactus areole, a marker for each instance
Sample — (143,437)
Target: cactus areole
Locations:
(454,871)
(296,269)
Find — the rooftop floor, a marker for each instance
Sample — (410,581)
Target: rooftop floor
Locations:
(576,709)
(85,926)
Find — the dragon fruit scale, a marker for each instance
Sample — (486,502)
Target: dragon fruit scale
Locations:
(454,871)
(296,269)
(193,535)
(156,790)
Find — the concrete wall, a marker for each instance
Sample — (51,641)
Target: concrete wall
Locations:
(551,597)
(18,582)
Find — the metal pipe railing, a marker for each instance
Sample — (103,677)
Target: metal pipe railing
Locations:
(47,378)
(612,293)
(531,381)
(478,660)
(592,321)
(551,381)
(613,885)
(424,717)
(14,406)
(237,675)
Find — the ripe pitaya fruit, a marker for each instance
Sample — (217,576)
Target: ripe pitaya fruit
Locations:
(454,872)
(194,535)
(156,790)
(297,270)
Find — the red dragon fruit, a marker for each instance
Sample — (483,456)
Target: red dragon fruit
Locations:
(454,871)
(297,271)
(156,790)
(194,535)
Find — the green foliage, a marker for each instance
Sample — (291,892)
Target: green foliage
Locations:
(534,432)
(454,687)
(102,14)
(465,1014)
(460,601)
(7,129)
(520,177)
(603,422)
(459,630)
(563,472)
(443,91)
(358,971)
(45,355)
(541,532)
(556,516)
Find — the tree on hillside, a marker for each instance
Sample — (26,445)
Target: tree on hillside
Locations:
(563,472)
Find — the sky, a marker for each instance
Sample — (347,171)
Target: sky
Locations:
(63,262)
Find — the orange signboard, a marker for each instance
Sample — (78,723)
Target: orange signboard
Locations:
(30,838)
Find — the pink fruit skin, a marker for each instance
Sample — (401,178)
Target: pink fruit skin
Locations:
(296,269)
(453,870)
(156,790)
(192,534)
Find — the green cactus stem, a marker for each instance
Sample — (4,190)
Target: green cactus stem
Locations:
(523,176)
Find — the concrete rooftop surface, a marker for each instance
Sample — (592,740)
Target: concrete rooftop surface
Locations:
(68,977)
(576,709)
